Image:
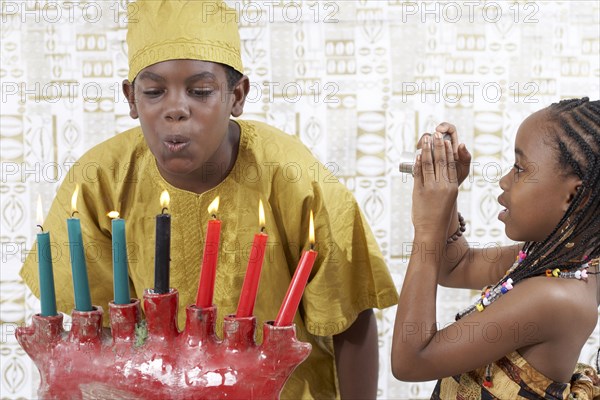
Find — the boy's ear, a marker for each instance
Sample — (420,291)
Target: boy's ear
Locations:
(240,91)
(128,91)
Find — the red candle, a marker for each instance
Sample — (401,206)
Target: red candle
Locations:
(257,255)
(292,298)
(206,286)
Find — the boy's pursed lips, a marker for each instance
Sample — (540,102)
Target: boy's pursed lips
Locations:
(176,143)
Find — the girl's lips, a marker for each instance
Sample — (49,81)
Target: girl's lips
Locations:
(504,212)
(502,215)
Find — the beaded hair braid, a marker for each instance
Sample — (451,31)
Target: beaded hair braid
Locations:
(574,132)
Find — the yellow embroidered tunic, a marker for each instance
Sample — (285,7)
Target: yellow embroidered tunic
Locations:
(349,275)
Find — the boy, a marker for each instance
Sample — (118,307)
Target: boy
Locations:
(185,81)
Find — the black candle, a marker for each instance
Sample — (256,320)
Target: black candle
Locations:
(162,255)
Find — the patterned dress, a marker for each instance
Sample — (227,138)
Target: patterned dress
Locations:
(512,377)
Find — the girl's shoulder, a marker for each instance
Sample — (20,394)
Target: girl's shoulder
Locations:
(566,304)
(565,313)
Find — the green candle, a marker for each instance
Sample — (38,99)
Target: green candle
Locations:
(47,295)
(120,266)
(81,286)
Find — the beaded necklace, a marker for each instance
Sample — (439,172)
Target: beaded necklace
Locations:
(491,293)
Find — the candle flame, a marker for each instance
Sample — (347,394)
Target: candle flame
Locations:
(214,206)
(40,212)
(113,214)
(165,199)
(74,199)
(261,214)
(311,229)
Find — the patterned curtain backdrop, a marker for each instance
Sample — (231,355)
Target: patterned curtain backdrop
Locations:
(357,81)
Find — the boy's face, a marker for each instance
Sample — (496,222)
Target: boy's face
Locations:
(184,108)
(535,193)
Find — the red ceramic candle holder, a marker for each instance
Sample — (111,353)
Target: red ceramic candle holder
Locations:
(142,359)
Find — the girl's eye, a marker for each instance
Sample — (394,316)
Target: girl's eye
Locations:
(517,168)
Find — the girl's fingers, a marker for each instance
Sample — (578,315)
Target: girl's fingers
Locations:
(464,157)
(427,167)
(439,153)
(446,128)
(420,142)
(418,170)
(452,175)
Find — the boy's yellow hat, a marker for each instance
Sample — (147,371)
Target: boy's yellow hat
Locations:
(160,30)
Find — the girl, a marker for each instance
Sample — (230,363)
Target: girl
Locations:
(523,336)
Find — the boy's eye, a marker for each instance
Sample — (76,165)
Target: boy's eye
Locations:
(152,92)
(201,92)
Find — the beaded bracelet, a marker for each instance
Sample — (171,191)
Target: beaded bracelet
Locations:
(459,232)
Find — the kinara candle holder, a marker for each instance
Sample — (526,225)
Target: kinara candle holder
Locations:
(150,358)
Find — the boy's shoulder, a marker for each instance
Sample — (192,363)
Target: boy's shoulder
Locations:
(122,146)
(271,141)
(289,159)
(111,160)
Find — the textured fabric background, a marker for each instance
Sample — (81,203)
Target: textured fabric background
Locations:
(358,81)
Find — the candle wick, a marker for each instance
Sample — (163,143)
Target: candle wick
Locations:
(214,216)
(312,246)
(164,209)
(262,229)
(41,227)
(73,213)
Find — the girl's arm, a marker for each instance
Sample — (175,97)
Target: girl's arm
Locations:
(474,268)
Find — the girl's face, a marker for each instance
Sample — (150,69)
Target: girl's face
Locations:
(536,193)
